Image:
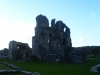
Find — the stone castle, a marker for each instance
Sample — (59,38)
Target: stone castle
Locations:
(50,44)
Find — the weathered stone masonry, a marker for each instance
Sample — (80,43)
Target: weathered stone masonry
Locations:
(51,43)
(19,51)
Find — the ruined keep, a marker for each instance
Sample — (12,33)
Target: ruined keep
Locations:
(53,44)
(19,51)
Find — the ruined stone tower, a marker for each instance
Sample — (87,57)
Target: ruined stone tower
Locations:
(51,43)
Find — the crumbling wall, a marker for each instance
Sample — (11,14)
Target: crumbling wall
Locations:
(53,44)
(4,53)
(19,51)
(50,42)
(77,55)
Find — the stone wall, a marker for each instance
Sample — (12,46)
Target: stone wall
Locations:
(16,70)
(51,42)
(4,53)
(77,55)
(19,51)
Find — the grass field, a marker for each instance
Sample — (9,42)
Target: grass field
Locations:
(4,67)
(57,68)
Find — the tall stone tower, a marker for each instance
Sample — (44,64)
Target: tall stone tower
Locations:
(51,43)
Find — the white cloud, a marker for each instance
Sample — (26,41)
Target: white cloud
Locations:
(18,31)
(93,15)
(81,39)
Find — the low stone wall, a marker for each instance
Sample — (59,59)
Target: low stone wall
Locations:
(3,57)
(77,56)
(17,70)
(95,68)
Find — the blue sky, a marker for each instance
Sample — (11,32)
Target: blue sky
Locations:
(17,19)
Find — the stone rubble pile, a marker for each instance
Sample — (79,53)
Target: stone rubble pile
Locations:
(95,68)
(12,66)
(9,71)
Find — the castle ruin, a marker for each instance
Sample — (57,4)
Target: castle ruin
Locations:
(51,43)
(19,51)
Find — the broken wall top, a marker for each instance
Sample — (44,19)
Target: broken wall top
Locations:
(59,25)
(17,44)
(42,21)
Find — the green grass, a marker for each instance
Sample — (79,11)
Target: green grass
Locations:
(57,68)
(4,67)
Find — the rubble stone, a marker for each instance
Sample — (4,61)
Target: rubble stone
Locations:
(77,55)
(95,68)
